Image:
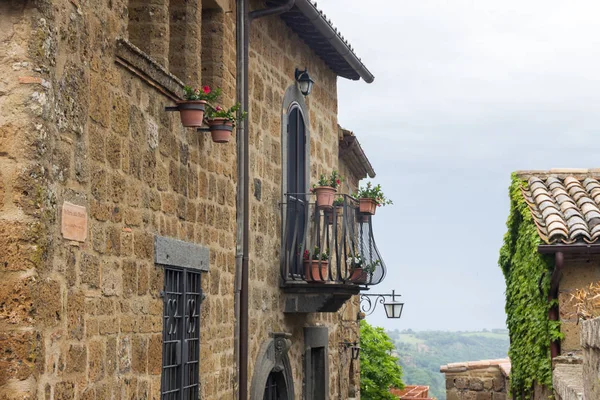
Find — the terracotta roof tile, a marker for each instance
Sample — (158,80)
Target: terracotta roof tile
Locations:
(564,203)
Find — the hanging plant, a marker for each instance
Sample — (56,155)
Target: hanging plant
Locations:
(221,121)
(192,108)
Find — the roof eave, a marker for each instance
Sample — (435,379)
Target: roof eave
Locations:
(328,31)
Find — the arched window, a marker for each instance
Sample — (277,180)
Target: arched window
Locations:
(295,186)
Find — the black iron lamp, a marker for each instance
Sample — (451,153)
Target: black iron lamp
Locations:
(305,84)
(393,308)
(355,351)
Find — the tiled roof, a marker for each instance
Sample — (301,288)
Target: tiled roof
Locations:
(565,204)
(352,153)
(412,392)
(320,43)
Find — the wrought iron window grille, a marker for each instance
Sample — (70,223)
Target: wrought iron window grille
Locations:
(182,296)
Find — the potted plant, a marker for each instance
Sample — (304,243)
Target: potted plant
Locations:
(325,189)
(360,271)
(371,197)
(221,122)
(191,109)
(315,265)
(338,207)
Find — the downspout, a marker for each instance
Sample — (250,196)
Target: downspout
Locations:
(243,19)
(553,295)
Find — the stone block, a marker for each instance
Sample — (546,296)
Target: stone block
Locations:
(89,267)
(100,101)
(139,354)
(124,355)
(143,245)
(571,342)
(498,396)
(76,359)
(16,304)
(129,278)
(112,279)
(96,357)
(498,384)
(484,396)
(461,383)
(17,357)
(75,313)
(120,115)
(476,384)
(155,355)
(64,391)
(18,246)
(48,302)
(111,355)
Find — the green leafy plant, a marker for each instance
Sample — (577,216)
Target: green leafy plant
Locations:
(339,201)
(316,254)
(373,192)
(230,114)
(204,93)
(526,308)
(379,368)
(356,261)
(333,180)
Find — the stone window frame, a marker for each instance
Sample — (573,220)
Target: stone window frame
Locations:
(273,357)
(178,256)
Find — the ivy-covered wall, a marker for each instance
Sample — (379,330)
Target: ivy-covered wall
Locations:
(527,274)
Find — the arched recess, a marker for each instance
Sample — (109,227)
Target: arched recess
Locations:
(273,357)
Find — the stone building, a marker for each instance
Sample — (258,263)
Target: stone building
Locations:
(557,216)
(116,222)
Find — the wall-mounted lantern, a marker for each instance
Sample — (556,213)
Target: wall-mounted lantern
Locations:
(393,308)
(305,83)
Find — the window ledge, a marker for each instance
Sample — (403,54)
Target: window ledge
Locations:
(142,65)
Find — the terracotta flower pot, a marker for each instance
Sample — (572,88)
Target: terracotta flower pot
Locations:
(359,275)
(367,206)
(311,270)
(325,196)
(191,112)
(220,129)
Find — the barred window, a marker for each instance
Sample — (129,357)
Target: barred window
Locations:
(181,335)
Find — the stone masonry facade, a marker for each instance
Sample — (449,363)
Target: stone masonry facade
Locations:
(477,380)
(578,272)
(82,121)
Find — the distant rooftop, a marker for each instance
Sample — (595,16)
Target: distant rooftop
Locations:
(412,392)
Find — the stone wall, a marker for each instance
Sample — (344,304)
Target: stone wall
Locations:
(590,342)
(578,273)
(477,380)
(87,125)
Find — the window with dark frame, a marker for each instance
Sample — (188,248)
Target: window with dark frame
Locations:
(317,373)
(181,334)
(296,182)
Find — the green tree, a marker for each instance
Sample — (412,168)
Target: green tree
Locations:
(379,369)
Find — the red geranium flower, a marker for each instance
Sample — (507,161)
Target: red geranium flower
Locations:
(338,181)
(206,89)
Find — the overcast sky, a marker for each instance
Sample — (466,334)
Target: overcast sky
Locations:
(465,92)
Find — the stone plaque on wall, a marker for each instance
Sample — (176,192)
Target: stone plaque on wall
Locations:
(74,222)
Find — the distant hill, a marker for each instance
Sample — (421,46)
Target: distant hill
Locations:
(422,353)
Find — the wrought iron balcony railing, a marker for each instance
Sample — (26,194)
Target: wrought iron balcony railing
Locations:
(332,245)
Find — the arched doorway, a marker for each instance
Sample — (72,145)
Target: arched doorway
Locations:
(275,388)
(272,378)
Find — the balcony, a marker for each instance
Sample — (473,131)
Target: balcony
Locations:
(346,262)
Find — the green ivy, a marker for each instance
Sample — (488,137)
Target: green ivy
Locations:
(527,274)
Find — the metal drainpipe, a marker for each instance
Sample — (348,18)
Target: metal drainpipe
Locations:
(243,19)
(552,295)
